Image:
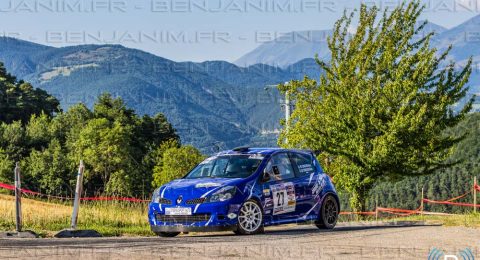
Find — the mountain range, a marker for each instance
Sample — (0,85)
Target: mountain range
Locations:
(213,101)
(208,102)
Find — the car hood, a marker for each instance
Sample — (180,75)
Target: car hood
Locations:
(195,188)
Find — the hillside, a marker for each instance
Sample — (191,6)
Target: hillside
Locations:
(290,49)
(212,101)
(207,102)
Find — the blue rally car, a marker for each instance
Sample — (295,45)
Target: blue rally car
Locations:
(243,190)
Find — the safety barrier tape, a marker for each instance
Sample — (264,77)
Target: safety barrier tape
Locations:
(459,197)
(450,203)
(357,213)
(396,211)
(29,192)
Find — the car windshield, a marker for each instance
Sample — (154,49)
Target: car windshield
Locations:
(226,166)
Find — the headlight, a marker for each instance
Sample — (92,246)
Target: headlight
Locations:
(156,196)
(223,194)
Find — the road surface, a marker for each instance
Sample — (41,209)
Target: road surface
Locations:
(292,242)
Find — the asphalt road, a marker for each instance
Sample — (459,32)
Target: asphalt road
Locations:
(291,242)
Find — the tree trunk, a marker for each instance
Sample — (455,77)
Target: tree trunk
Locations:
(358,201)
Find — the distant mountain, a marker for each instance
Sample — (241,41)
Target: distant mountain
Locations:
(207,102)
(465,39)
(432,27)
(295,46)
(288,49)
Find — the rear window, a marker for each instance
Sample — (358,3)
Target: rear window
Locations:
(304,163)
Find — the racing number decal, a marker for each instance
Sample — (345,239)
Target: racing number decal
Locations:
(283,198)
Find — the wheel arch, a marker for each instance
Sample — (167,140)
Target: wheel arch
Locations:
(257,200)
(334,194)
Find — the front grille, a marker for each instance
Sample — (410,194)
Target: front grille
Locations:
(195,201)
(183,219)
(165,201)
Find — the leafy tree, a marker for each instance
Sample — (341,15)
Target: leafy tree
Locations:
(49,170)
(38,132)
(380,110)
(156,130)
(175,163)
(118,147)
(114,109)
(68,125)
(6,167)
(13,140)
(19,100)
(105,148)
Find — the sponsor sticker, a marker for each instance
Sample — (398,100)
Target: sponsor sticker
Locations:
(305,168)
(209,159)
(207,185)
(319,185)
(266,192)
(283,198)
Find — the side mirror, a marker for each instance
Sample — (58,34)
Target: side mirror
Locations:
(276,171)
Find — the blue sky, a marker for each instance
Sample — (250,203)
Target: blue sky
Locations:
(195,30)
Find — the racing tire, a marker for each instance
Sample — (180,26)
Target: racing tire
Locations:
(167,234)
(328,216)
(250,219)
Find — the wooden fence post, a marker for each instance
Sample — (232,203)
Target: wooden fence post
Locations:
(18,198)
(78,193)
(421,204)
(475,194)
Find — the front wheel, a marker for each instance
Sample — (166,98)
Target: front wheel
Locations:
(168,234)
(250,219)
(328,213)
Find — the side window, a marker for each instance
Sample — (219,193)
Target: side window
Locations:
(304,163)
(280,168)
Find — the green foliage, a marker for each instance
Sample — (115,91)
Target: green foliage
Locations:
(6,167)
(381,109)
(175,162)
(47,170)
(19,100)
(119,148)
(13,140)
(444,184)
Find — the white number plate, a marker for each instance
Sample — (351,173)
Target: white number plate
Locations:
(178,211)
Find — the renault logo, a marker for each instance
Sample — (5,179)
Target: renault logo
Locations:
(179,199)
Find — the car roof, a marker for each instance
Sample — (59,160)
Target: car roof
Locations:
(262,151)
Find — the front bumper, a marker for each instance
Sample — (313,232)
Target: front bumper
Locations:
(182,228)
(208,217)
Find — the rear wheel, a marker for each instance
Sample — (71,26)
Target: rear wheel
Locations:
(328,213)
(250,219)
(168,234)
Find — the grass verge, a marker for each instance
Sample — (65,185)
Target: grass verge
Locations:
(46,218)
(130,219)
(466,220)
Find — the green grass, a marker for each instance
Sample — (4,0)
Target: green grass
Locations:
(130,219)
(466,220)
(46,218)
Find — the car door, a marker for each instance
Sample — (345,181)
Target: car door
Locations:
(279,188)
(305,170)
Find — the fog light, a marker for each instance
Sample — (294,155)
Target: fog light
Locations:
(232,215)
